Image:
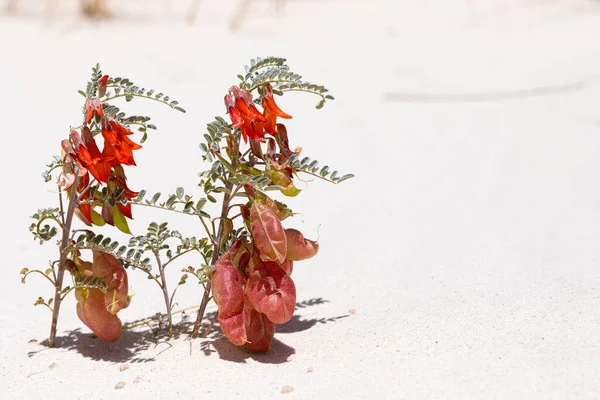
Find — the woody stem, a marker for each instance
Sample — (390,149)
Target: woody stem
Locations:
(215,257)
(163,286)
(66,228)
(218,240)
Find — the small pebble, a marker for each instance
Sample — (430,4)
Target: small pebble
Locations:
(352,311)
(287,389)
(120,385)
(137,379)
(33,341)
(310,369)
(124,367)
(53,365)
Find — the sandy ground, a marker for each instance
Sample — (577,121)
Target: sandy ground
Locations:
(462,262)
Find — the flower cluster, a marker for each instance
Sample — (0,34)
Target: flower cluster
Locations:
(252,282)
(246,262)
(97,306)
(105,166)
(245,115)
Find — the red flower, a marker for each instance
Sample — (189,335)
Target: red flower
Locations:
(93,106)
(245,115)
(105,166)
(117,142)
(102,86)
(234,114)
(98,164)
(271,111)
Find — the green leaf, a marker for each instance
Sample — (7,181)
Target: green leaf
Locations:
(120,221)
(200,203)
(347,176)
(140,196)
(225,163)
(97,219)
(180,193)
(155,198)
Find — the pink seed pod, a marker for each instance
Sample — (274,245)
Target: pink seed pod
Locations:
(288,266)
(228,293)
(272,292)
(259,330)
(91,310)
(299,248)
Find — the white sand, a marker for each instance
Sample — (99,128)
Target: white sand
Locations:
(467,244)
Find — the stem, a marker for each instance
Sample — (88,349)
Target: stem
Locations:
(39,272)
(163,286)
(158,316)
(212,322)
(178,255)
(224,211)
(133,95)
(62,260)
(172,210)
(84,191)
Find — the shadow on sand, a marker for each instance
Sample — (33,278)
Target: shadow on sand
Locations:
(135,345)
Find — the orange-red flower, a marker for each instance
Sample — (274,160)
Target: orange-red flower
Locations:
(117,142)
(93,106)
(90,157)
(271,111)
(105,166)
(102,86)
(245,115)
(234,114)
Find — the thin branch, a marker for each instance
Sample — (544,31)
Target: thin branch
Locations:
(316,176)
(168,300)
(88,187)
(134,95)
(39,224)
(179,255)
(67,292)
(60,203)
(41,273)
(158,316)
(172,210)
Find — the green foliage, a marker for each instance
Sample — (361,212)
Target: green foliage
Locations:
(56,163)
(123,87)
(92,85)
(275,71)
(156,237)
(215,132)
(141,121)
(178,202)
(312,167)
(88,282)
(129,256)
(45,232)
